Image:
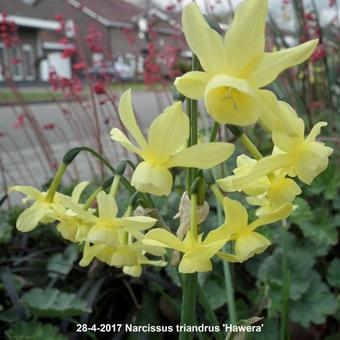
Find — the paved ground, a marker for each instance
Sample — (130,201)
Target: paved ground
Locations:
(21,155)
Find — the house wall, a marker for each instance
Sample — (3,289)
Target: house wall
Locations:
(21,60)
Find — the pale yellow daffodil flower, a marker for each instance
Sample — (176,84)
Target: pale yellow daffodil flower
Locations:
(235,67)
(165,148)
(40,211)
(296,155)
(268,192)
(73,226)
(197,252)
(106,225)
(248,242)
(129,254)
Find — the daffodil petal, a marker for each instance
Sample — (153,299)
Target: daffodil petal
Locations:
(250,244)
(118,136)
(163,238)
(202,156)
(107,206)
(136,222)
(236,215)
(272,64)
(29,218)
(316,130)
(189,266)
(263,167)
(228,257)
(31,192)
(205,42)
(134,271)
(77,191)
(128,118)
(231,101)
(205,251)
(192,84)
(312,161)
(103,235)
(279,214)
(168,132)
(245,39)
(153,179)
(282,191)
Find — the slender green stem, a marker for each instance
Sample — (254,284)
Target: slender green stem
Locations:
(189,281)
(218,194)
(228,279)
(188,311)
(55,183)
(209,312)
(284,334)
(114,186)
(92,197)
(213,132)
(249,145)
(193,222)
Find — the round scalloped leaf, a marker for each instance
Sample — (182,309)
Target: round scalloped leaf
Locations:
(333,273)
(51,302)
(33,330)
(315,304)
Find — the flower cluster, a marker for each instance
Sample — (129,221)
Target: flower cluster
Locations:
(234,71)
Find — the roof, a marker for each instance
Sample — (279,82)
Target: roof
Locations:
(113,11)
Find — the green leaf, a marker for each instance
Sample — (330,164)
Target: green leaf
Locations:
(33,330)
(5,229)
(300,264)
(326,183)
(59,265)
(315,304)
(333,273)
(51,302)
(215,292)
(318,226)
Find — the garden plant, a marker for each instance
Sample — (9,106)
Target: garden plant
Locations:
(252,193)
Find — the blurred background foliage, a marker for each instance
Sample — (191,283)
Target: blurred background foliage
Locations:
(44,293)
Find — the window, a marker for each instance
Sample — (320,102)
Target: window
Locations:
(15,62)
(28,62)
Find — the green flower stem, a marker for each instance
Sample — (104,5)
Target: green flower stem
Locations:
(209,312)
(193,221)
(218,194)
(92,197)
(284,331)
(189,281)
(213,132)
(249,145)
(55,183)
(228,279)
(115,185)
(188,310)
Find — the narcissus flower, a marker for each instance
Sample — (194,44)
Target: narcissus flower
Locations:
(268,192)
(197,252)
(128,253)
(248,242)
(294,154)
(235,67)
(281,190)
(165,148)
(42,210)
(106,225)
(73,226)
